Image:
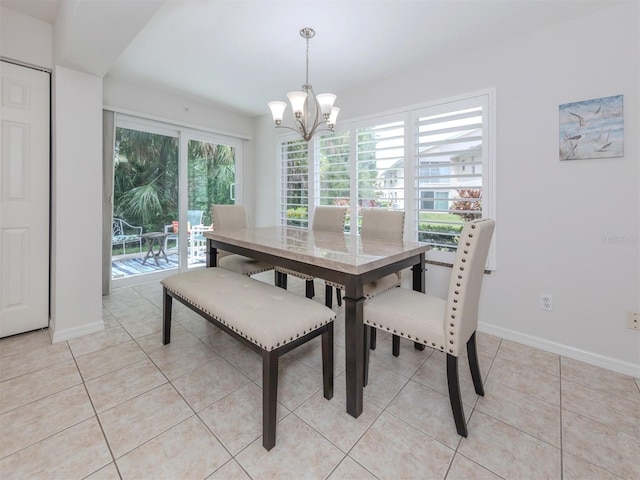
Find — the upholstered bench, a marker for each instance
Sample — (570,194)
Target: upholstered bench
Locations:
(266,318)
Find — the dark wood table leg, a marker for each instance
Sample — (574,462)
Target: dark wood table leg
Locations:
(354,345)
(419,286)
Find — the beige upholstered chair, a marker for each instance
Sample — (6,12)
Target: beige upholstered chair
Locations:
(445,325)
(325,219)
(234,217)
(377,224)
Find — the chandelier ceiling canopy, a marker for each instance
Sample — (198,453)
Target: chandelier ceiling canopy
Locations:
(312,113)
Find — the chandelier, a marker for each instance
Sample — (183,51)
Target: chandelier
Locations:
(313,113)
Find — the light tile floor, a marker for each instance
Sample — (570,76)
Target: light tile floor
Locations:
(119,404)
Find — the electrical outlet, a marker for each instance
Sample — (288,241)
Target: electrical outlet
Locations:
(546,301)
(633,320)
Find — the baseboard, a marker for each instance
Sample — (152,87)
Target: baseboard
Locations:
(609,363)
(69,333)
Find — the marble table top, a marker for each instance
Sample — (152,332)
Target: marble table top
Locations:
(342,252)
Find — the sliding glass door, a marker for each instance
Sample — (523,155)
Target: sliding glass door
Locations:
(145,199)
(165,181)
(211,173)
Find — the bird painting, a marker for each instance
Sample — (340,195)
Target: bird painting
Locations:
(582,126)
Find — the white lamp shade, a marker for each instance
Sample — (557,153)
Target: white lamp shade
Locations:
(277,110)
(297,100)
(334,116)
(325,100)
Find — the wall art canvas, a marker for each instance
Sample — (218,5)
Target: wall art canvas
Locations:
(592,129)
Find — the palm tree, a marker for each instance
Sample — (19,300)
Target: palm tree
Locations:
(211,176)
(145,180)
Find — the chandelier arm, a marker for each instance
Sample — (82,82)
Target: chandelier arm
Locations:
(321,127)
(302,126)
(288,128)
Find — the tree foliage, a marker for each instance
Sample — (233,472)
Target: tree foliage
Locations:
(146,177)
(469,207)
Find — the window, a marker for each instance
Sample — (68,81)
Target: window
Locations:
(332,184)
(450,155)
(380,164)
(434,162)
(294,200)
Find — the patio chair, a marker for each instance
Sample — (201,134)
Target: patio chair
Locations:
(197,242)
(123,233)
(194,218)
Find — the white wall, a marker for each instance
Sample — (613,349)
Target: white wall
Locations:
(76,290)
(25,39)
(571,229)
(76,306)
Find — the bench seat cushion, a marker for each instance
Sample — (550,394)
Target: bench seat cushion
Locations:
(264,314)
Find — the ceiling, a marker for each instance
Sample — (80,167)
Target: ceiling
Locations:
(241,54)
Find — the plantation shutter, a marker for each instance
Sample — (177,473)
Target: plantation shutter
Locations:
(333,180)
(294,191)
(380,165)
(449,161)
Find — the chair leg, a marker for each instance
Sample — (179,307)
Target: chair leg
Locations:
(395,345)
(328,296)
(269,398)
(339,297)
(474,366)
(167,304)
(327,362)
(374,336)
(455,398)
(367,341)
(310,290)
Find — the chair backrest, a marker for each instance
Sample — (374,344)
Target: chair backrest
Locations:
(329,218)
(461,318)
(116,227)
(194,217)
(379,224)
(229,217)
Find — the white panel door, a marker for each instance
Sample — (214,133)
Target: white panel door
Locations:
(24,199)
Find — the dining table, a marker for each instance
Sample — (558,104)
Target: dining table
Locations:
(343,258)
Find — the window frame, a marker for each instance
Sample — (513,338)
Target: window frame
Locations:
(487,99)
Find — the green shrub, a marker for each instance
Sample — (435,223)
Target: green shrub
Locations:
(445,237)
(298,217)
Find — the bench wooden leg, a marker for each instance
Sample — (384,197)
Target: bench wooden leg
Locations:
(395,345)
(327,362)
(167,303)
(269,398)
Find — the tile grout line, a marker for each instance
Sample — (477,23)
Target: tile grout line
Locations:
(95,412)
